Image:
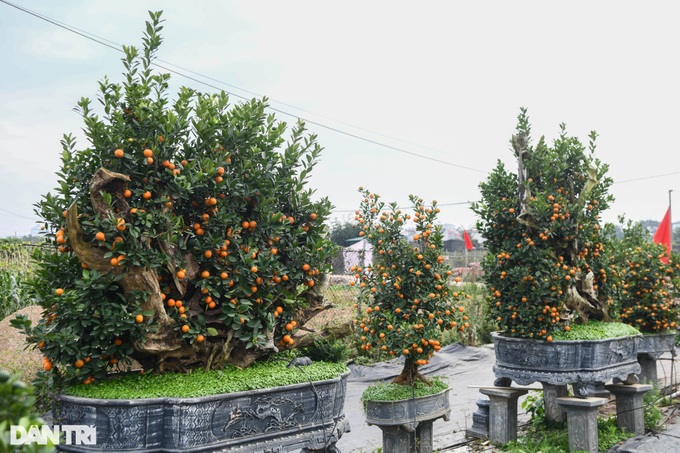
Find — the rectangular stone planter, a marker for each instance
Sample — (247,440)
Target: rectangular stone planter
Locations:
(654,345)
(525,361)
(650,348)
(289,418)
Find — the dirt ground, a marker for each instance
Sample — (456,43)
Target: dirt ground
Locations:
(14,356)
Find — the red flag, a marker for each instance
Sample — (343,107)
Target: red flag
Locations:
(468,242)
(663,234)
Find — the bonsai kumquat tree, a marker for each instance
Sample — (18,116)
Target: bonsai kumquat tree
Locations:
(548,264)
(409,302)
(184,236)
(648,296)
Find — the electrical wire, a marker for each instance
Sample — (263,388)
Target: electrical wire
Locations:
(458,203)
(104,42)
(112,45)
(644,177)
(117,46)
(15,214)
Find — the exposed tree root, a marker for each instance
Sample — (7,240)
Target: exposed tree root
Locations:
(410,375)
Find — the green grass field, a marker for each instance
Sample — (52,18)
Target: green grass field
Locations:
(15,268)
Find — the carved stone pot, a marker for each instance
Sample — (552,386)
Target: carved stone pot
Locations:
(407,424)
(650,348)
(303,417)
(576,362)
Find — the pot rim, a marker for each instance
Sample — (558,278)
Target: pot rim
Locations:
(497,336)
(408,399)
(671,332)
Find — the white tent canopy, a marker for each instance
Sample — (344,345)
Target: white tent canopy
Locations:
(358,254)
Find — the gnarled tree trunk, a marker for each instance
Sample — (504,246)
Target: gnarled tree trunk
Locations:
(410,375)
(162,348)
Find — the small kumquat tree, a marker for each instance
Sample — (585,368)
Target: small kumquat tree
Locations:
(649,291)
(184,235)
(409,302)
(548,263)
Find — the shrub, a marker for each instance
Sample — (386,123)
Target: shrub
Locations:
(16,408)
(15,268)
(654,419)
(184,236)
(409,303)
(327,350)
(648,295)
(548,264)
(15,256)
(12,296)
(479,317)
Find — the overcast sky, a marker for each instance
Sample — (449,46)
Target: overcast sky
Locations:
(440,79)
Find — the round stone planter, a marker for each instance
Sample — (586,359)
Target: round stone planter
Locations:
(407,424)
(650,348)
(303,417)
(577,362)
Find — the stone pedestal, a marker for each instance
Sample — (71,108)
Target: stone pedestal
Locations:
(405,439)
(407,424)
(554,413)
(502,413)
(582,422)
(597,389)
(630,406)
(648,373)
(480,420)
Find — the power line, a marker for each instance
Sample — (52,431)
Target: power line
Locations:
(103,42)
(54,22)
(458,203)
(18,215)
(644,177)
(455,204)
(112,45)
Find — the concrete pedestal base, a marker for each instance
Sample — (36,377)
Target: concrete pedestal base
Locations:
(597,389)
(480,420)
(554,413)
(629,406)
(405,439)
(648,373)
(582,422)
(502,413)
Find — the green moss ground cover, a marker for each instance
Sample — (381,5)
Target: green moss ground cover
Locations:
(596,331)
(202,383)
